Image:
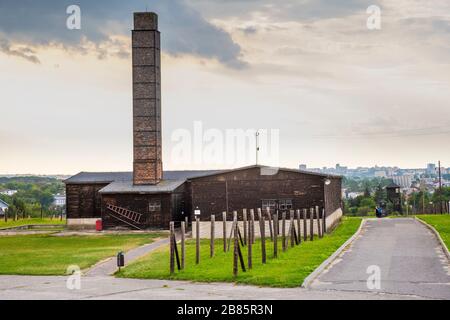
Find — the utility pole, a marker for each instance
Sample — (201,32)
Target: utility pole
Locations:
(440,188)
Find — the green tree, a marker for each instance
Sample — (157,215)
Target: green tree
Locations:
(380,194)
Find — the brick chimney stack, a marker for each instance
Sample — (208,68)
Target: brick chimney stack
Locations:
(147,163)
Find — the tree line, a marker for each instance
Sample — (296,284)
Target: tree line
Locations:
(34,197)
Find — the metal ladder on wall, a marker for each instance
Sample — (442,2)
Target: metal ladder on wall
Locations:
(127,216)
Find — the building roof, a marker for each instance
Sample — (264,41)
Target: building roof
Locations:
(269,171)
(163,186)
(393,185)
(108,177)
(3,204)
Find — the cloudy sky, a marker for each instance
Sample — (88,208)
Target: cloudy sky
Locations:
(337,91)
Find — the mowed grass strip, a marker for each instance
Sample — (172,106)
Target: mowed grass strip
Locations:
(51,255)
(32,221)
(442,225)
(289,270)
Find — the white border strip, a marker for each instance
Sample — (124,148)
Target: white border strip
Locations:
(309,279)
(438,236)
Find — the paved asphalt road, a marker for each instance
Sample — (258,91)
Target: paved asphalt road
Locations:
(410,260)
(108,288)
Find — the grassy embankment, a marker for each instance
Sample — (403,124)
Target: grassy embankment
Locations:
(32,221)
(51,255)
(441,223)
(288,270)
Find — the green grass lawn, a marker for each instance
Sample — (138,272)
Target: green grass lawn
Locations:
(51,255)
(441,223)
(22,222)
(289,270)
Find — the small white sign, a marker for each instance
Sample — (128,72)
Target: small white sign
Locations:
(197,212)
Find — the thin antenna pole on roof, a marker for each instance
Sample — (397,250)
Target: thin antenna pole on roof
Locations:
(257,145)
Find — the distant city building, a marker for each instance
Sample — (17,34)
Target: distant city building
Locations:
(341,169)
(431,168)
(380,174)
(404,181)
(59,200)
(415,174)
(353,195)
(8,192)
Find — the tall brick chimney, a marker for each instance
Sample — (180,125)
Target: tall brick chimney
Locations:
(147,163)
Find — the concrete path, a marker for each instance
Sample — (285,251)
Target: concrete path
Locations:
(109,266)
(109,288)
(408,255)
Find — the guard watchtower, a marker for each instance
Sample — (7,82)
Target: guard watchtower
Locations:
(394,196)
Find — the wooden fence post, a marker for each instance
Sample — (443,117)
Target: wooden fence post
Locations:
(292,228)
(299,227)
(213,234)
(197,241)
(177,256)
(270,223)
(319,231)
(252,227)
(311,224)
(305,228)
(244,217)
(172,248)
(183,248)
(324,220)
(224,221)
(235,221)
(186,222)
(262,224)
(283,231)
(275,235)
(235,251)
(250,242)
(241,258)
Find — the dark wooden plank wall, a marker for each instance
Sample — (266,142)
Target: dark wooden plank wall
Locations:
(333,196)
(83,200)
(246,188)
(139,203)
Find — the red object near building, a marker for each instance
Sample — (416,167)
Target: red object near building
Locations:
(98,225)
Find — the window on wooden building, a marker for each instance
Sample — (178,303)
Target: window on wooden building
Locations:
(285,204)
(271,203)
(154,206)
